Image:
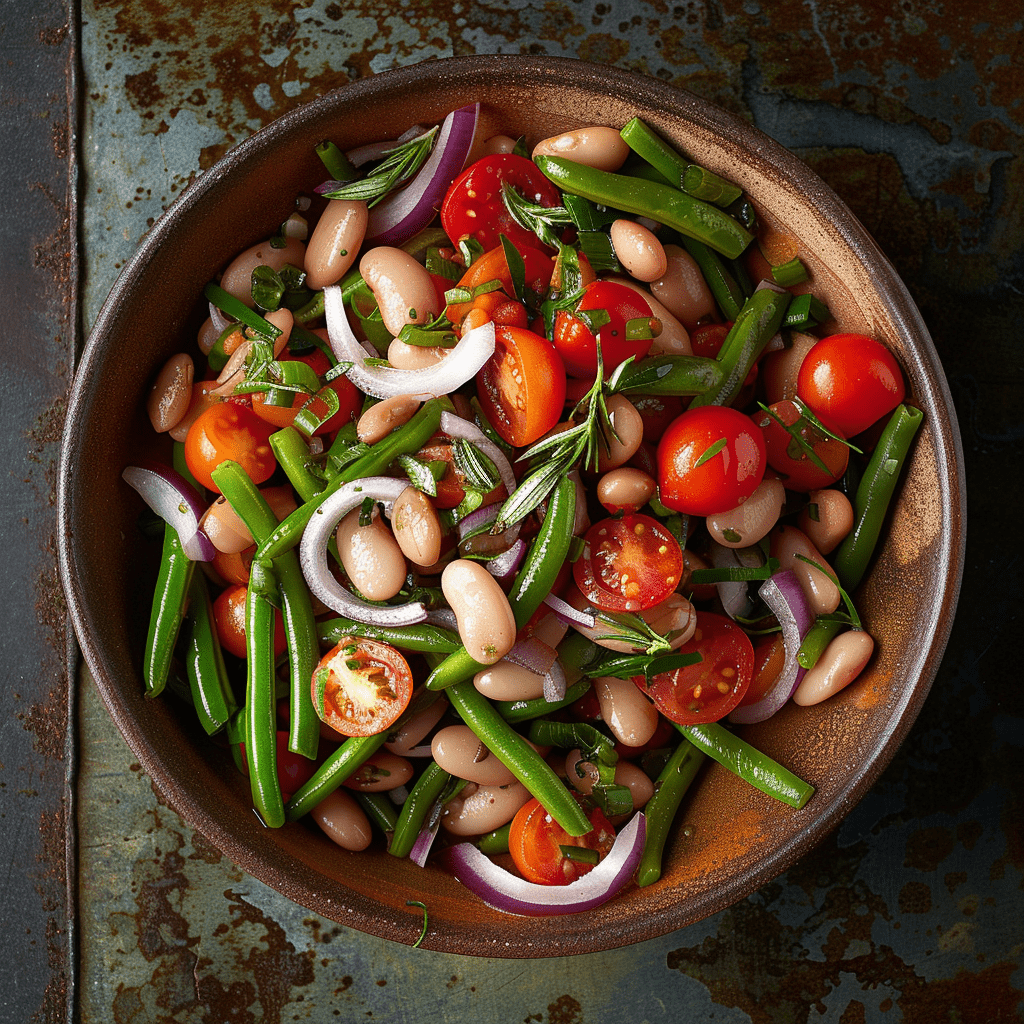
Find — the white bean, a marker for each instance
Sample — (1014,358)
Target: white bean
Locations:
(832,519)
(840,663)
(371,557)
(628,427)
(682,288)
(458,751)
(343,820)
(638,250)
(779,370)
(171,394)
(748,523)
(411,733)
(335,242)
(630,716)
(507,681)
(402,287)
(416,526)
(822,594)
(237,279)
(403,356)
(478,810)
(381,772)
(625,489)
(641,788)
(599,147)
(225,528)
(382,417)
(486,623)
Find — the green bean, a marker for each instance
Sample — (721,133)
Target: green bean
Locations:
(757,323)
(296,606)
(547,553)
(169,602)
(748,763)
(336,768)
(260,705)
(518,756)
(670,206)
(212,695)
(423,637)
(668,375)
(516,711)
(457,667)
(294,458)
(669,789)
(789,274)
(707,185)
(379,809)
(495,842)
(338,165)
(181,466)
(874,492)
(650,146)
(724,287)
(817,638)
(422,797)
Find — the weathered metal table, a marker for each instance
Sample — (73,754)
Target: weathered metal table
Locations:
(910,911)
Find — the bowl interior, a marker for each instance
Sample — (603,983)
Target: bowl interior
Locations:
(734,839)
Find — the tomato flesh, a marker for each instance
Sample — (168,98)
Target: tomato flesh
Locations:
(229,431)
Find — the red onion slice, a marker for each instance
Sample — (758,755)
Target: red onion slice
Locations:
(398,217)
(784,595)
(219,319)
(532,654)
(313,554)
(461,364)
(555,682)
(569,615)
(424,842)
(505,565)
(504,891)
(175,501)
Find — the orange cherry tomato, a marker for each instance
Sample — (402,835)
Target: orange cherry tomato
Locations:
(229,618)
(232,431)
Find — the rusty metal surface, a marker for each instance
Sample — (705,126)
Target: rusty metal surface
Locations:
(911,910)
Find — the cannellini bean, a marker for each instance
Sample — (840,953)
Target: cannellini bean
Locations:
(630,716)
(832,519)
(343,820)
(641,788)
(486,623)
(477,810)
(171,394)
(507,681)
(625,489)
(682,288)
(402,287)
(629,432)
(674,339)
(223,525)
(499,144)
(822,594)
(412,732)
(202,398)
(459,752)
(371,557)
(403,356)
(237,279)
(599,147)
(380,772)
(382,417)
(550,630)
(416,527)
(748,523)
(638,250)
(335,242)
(207,337)
(840,663)
(779,370)
(674,615)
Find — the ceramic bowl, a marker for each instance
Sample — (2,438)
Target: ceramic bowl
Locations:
(731,839)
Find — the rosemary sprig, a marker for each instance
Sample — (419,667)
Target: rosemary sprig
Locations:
(398,165)
(543,221)
(802,444)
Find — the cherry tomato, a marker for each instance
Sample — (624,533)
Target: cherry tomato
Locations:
(450,490)
(229,618)
(350,398)
(769,660)
(535,840)
(473,206)
(628,564)
(493,266)
(293,770)
(229,431)
(707,339)
(657,412)
(576,343)
(790,459)
(234,567)
(361,687)
(710,460)
(850,381)
(522,386)
(708,690)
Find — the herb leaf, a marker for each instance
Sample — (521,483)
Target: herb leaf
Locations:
(541,220)
(398,165)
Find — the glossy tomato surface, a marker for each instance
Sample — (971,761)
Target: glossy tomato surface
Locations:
(229,618)
(229,431)
(801,452)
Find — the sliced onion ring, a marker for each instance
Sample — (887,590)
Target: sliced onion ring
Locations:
(569,615)
(505,565)
(504,891)
(555,683)
(313,554)
(784,595)
(461,364)
(219,319)
(175,501)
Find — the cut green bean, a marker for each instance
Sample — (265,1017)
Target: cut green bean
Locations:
(788,274)
(379,809)
(293,456)
(710,187)
(667,375)
(724,287)
(874,492)
(496,842)
(167,612)
(227,303)
(761,771)
(651,147)
(413,815)
(336,768)
(423,637)
(817,638)
(457,667)
(212,696)
(516,711)
(337,164)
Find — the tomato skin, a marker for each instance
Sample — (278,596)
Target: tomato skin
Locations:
(450,490)
(785,456)
(708,690)
(850,381)
(229,618)
(628,564)
(723,481)
(293,770)
(534,839)
(229,431)
(361,687)
(493,266)
(707,339)
(576,343)
(522,386)
(473,206)
(657,412)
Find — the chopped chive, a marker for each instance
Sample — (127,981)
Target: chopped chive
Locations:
(790,273)
(704,184)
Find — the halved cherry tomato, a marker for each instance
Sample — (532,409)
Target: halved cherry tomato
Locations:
(229,618)
(361,686)
(535,840)
(522,386)
(225,431)
(710,460)
(769,660)
(473,206)
(576,343)
(708,690)
(789,458)
(628,564)
(850,381)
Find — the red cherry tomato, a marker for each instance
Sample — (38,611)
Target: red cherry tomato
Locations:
(535,840)
(522,386)
(710,460)
(473,206)
(293,770)
(361,687)
(229,431)
(791,459)
(707,339)
(576,343)
(850,381)
(350,398)
(769,660)
(708,690)
(493,266)
(657,412)
(628,564)
(229,618)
